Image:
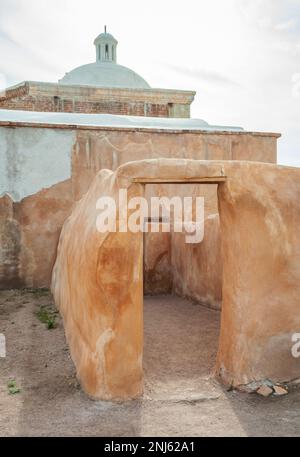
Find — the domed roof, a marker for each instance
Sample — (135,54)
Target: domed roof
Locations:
(105,72)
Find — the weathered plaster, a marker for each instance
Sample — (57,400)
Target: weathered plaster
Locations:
(33,159)
(37,219)
(112,120)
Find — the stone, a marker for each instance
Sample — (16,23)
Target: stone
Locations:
(265,391)
(280,391)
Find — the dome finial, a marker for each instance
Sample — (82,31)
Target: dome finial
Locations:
(106,47)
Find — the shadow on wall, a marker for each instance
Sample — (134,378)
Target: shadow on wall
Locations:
(10,245)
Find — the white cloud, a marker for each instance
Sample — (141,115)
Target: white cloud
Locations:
(296,85)
(3,82)
(287,25)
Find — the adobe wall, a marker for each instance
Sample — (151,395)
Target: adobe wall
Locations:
(46,169)
(190,270)
(197,268)
(260,216)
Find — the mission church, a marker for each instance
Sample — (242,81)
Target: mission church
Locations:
(64,145)
(100,87)
(55,137)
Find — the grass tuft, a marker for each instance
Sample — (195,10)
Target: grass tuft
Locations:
(13,389)
(47,316)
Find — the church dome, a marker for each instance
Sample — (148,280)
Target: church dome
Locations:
(105,72)
(105,75)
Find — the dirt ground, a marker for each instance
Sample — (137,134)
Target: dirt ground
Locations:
(181,398)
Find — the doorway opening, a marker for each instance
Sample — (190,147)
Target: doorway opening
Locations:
(182,299)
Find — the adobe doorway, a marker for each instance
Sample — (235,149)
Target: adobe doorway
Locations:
(181,318)
(107,344)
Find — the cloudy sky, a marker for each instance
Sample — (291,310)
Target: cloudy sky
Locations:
(241,56)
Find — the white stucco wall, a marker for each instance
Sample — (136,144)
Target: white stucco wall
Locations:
(112,120)
(33,159)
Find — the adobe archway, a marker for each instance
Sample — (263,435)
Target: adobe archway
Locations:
(97,279)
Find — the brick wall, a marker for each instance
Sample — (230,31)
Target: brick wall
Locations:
(51,104)
(44,97)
